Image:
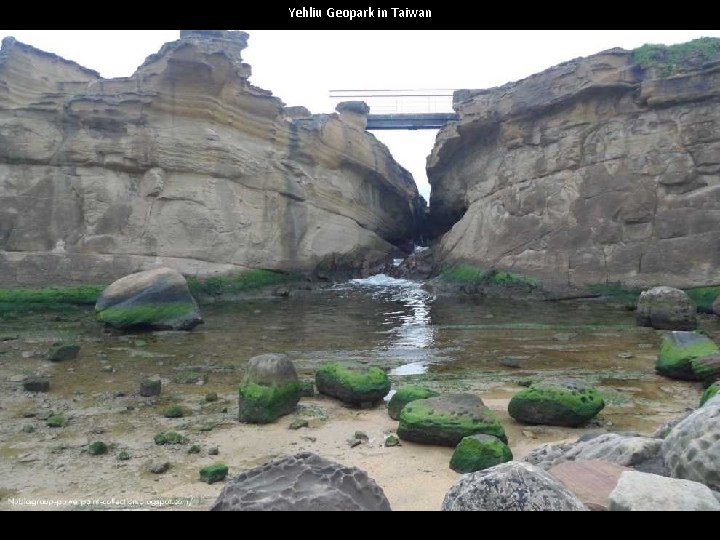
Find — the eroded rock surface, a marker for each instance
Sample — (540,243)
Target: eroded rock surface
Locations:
(593,171)
(184,164)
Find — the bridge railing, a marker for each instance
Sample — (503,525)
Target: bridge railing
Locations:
(424,101)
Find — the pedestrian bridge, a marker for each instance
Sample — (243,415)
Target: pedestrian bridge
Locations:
(402,109)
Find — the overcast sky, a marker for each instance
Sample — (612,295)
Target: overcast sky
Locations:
(302,66)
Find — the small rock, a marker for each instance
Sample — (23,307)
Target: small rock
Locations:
(529,434)
(28,428)
(392,440)
(194,449)
(62,352)
(211,397)
(150,387)
(310,439)
(298,423)
(36,384)
(361,435)
(307,388)
(17,378)
(160,467)
(213,451)
(214,473)
(510,362)
(124,455)
(625,355)
(354,442)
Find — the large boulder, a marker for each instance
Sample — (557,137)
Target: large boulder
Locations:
(302,482)
(692,448)
(406,394)
(591,481)
(666,308)
(707,368)
(510,486)
(445,420)
(157,299)
(478,452)
(561,403)
(679,350)
(650,492)
(357,387)
(270,389)
(642,453)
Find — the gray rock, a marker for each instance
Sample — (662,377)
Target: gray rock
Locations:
(642,453)
(36,384)
(302,482)
(64,351)
(650,492)
(515,486)
(666,308)
(160,467)
(692,448)
(150,387)
(157,299)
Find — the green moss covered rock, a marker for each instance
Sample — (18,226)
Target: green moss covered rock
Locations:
(169,437)
(214,473)
(479,452)
(98,448)
(150,387)
(561,403)
(706,367)
(678,350)
(155,299)
(406,394)
(710,392)
(354,386)
(445,420)
(57,420)
(271,389)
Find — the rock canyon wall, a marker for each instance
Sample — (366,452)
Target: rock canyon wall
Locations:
(185,164)
(593,171)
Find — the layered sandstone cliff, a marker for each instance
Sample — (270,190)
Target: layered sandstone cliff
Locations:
(184,164)
(593,171)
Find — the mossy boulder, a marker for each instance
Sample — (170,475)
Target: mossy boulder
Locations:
(677,352)
(271,389)
(666,308)
(354,386)
(63,351)
(98,448)
(445,420)
(556,403)
(155,299)
(479,452)
(709,393)
(214,473)
(169,437)
(406,394)
(707,368)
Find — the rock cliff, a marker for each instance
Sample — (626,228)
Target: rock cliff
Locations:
(184,164)
(597,170)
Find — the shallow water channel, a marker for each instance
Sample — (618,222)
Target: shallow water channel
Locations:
(450,343)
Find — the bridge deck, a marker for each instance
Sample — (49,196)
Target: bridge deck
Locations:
(409,121)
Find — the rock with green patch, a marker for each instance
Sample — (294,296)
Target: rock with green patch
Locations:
(392,440)
(63,351)
(354,386)
(677,352)
(214,473)
(271,389)
(194,449)
(36,384)
(709,393)
(298,423)
(57,420)
(556,403)
(98,448)
(406,394)
(150,387)
(707,368)
(160,467)
(445,420)
(155,299)
(666,308)
(174,411)
(478,452)
(307,388)
(124,455)
(169,437)
(211,397)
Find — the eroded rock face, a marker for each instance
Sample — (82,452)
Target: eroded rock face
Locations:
(512,486)
(589,172)
(185,164)
(302,482)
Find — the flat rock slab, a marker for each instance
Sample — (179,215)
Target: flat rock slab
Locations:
(650,492)
(591,481)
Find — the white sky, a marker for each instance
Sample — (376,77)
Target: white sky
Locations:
(301,66)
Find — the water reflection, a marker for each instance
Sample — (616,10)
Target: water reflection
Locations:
(411,330)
